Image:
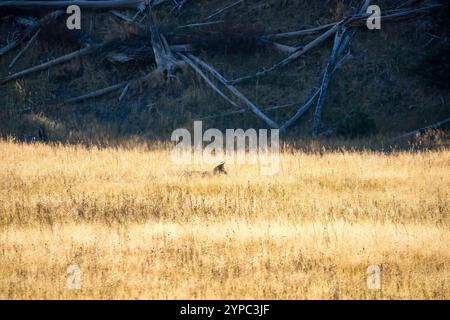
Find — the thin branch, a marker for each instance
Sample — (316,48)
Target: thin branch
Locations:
(279,46)
(96,93)
(359,20)
(341,43)
(294,56)
(303,32)
(24,49)
(112,88)
(200,24)
(217,12)
(325,82)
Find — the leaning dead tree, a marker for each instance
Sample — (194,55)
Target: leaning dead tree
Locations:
(173,57)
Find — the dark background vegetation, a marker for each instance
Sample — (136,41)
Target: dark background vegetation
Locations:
(397,81)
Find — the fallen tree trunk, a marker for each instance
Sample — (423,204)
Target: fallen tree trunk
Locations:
(31,30)
(100,92)
(341,43)
(79,53)
(236,92)
(309,102)
(359,20)
(424,129)
(24,49)
(295,55)
(208,81)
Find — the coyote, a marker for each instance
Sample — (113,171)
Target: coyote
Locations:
(219,169)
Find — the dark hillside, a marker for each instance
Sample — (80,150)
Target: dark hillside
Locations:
(396,81)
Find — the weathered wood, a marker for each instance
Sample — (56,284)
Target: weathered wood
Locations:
(325,82)
(217,12)
(313,96)
(278,46)
(298,33)
(100,92)
(236,92)
(24,49)
(124,92)
(359,20)
(229,113)
(208,81)
(341,43)
(301,111)
(79,53)
(424,129)
(96,93)
(409,3)
(165,60)
(395,15)
(294,56)
(32,28)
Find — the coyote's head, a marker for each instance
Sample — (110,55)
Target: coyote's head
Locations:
(220,169)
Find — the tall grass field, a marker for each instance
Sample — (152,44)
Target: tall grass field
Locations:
(135,227)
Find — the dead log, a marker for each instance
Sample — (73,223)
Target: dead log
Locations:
(42,134)
(96,93)
(219,11)
(433,126)
(100,92)
(359,20)
(165,60)
(236,92)
(124,92)
(229,113)
(32,28)
(24,49)
(199,24)
(326,81)
(294,56)
(43,66)
(341,42)
(279,46)
(303,32)
(309,102)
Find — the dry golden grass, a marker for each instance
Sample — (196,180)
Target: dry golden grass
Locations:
(137,229)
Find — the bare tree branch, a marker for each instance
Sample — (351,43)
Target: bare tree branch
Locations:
(24,49)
